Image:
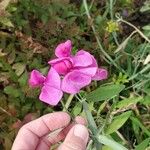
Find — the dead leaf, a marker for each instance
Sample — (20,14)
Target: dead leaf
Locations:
(4,4)
(7,143)
(4,76)
(124,43)
(11,57)
(18,124)
(19,68)
(2,54)
(30,43)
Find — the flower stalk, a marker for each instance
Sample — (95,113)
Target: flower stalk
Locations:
(69,100)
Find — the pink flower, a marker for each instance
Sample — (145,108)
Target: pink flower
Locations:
(78,70)
(51,92)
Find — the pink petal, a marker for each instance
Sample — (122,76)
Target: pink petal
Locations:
(53,79)
(90,71)
(61,68)
(64,49)
(101,74)
(61,65)
(82,59)
(94,62)
(36,78)
(57,60)
(50,95)
(74,81)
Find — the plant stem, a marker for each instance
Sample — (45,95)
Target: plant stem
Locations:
(141,57)
(108,58)
(112,18)
(6,112)
(92,125)
(141,33)
(121,136)
(68,102)
(142,71)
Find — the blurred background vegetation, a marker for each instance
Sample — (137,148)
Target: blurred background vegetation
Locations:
(117,32)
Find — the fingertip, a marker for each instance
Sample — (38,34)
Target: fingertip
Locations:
(80,120)
(59,118)
(76,139)
(81,132)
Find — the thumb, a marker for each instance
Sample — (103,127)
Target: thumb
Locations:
(76,139)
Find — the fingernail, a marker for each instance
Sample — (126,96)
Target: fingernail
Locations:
(81,132)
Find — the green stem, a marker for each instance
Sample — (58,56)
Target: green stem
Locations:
(142,71)
(112,18)
(107,57)
(68,102)
(99,139)
(141,58)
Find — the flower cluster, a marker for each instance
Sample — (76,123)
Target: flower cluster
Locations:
(68,73)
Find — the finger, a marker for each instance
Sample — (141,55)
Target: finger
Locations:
(80,120)
(55,138)
(29,135)
(76,139)
(62,134)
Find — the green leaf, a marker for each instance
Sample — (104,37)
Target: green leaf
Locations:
(106,148)
(127,102)
(77,109)
(143,145)
(23,79)
(118,122)
(145,7)
(90,118)
(146,100)
(147,27)
(91,123)
(111,143)
(139,124)
(105,92)
(10,90)
(5,21)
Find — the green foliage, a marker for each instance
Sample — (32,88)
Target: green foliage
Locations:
(105,92)
(128,102)
(117,109)
(112,26)
(143,145)
(146,6)
(121,79)
(118,122)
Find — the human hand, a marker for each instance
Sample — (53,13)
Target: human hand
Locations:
(34,135)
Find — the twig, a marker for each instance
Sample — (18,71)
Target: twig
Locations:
(121,136)
(141,33)
(6,112)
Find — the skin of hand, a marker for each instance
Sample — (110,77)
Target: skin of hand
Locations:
(34,135)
